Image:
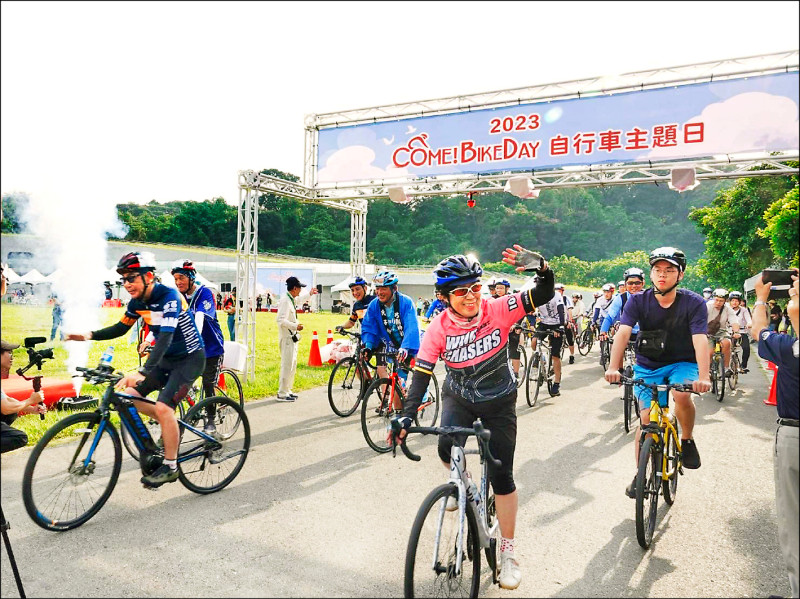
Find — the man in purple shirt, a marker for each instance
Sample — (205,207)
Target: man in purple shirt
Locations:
(782,350)
(684,357)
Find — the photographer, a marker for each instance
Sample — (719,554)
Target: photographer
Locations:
(288,327)
(782,350)
(10,437)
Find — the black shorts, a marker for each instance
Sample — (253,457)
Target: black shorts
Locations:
(555,342)
(174,377)
(513,345)
(210,373)
(499,416)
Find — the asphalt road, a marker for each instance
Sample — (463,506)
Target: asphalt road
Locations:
(316,513)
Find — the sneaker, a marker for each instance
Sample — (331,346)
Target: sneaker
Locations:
(163,474)
(744,370)
(555,390)
(286,397)
(572,359)
(510,574)
(690,458)
(452,504)
(294,395)
(630,490)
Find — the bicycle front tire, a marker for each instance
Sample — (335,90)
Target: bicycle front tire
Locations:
(428,411)
(205,466)
(629,399)
(377,413)
(433,574)
(720,379)
(733,380)
(61,487)
(646,493)
(345,387)
(672,464)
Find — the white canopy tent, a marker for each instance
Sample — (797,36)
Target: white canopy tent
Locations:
(34,277)
(11,276)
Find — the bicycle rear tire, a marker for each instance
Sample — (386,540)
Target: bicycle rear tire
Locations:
(733,380)
(377,413)
(585,342)
(523,364)
(629,399)
(433,575)
(427,415)
(207,467)
(647,493)
(59,489)
(345,386)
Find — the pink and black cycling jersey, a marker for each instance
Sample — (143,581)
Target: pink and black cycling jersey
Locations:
(476,359)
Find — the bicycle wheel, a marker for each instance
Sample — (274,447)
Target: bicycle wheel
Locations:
(672,463)
(344,387)
(63,485)
(433,566)
(583,342)
(551,373)
(491,517)
(208,466)
(229,385)
(647,493)
(429,409)
(604,355)
(523,365)
(629,399)
(720,379)
(153,427)
(536,380)
(733,380)
(377,413)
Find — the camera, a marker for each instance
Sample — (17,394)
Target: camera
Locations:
(781,282)
(296,337)
(35,358)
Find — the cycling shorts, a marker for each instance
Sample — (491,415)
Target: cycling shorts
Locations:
(679,372)
(174,377)
(555,342)
(513,345)
(499,416)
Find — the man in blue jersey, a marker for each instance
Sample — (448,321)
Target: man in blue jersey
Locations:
(435,308)
(175,361)
(634,284)
(391,320)
(202,304)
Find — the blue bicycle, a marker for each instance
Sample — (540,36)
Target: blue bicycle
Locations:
(73,469)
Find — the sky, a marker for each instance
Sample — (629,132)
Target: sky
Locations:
(115,102)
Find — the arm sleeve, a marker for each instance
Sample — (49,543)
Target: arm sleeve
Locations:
(611,313)
(419,383)
(199,317)
(158,351)
(115,330)
(562,314)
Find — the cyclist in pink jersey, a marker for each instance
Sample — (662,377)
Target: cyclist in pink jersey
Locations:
(471,337)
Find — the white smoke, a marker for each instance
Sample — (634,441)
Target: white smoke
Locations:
(74,234)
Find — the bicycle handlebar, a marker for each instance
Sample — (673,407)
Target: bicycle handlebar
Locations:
(478,431)
(686,388)
(99,376)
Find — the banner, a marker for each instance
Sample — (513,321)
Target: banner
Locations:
(755,114)
(273,279)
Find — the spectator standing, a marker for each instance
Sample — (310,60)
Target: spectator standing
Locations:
(288,327)
(259,299)
(57,317)
(219,300)
(269,301)
(420,306)
(782,350)
(775,315)
(230,309)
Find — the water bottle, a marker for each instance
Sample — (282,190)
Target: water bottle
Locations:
(107,357)
(473,491)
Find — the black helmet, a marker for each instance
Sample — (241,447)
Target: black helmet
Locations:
(357,281)
(671,255)
(185,267)
(633,272)
(137,262)
(456,270)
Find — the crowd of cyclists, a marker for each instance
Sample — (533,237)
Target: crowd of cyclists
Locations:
(477,338)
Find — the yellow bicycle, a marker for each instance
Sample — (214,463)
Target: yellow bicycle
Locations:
(659,460)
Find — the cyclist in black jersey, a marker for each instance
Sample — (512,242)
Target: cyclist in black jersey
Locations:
(176,360)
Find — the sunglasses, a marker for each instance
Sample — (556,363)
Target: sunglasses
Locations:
(462,291)
(634,282)
(130,278)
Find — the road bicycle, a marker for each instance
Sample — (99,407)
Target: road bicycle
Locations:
(586,339)
(736,364)
(605,352)
(718,370)
(541,370)
(73,469)
(227,385)
(350,378)
(443,558)
(384,399)
(659,460)
(523,354)
(631,409)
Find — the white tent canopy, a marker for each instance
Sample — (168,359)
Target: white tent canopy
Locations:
(34,277)
(11,276)
(342,285)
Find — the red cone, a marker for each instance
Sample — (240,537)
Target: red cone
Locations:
(314,357)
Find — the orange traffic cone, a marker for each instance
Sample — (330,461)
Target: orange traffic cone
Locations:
(772,400)
(221,381)
(330,337)
(314,357)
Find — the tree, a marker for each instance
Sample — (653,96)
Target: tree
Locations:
(782,228)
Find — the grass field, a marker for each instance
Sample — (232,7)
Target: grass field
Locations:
(20,321)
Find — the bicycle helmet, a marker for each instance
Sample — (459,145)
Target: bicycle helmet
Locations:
(735,295)
(385,278)
(136,262)
(491,283)
(620,283)
(558,286)
(357,281)
(608,287)
(671,255)
(633,272)
(458,270)
(578,295)
(597,294)
(186,268)
(503,282)
(720,292)
(707,290)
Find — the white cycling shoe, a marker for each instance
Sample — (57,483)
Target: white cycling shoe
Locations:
(510,574)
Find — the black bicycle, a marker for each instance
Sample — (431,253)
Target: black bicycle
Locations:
(631,409)
(73,469)
(349,379)
(586,339)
